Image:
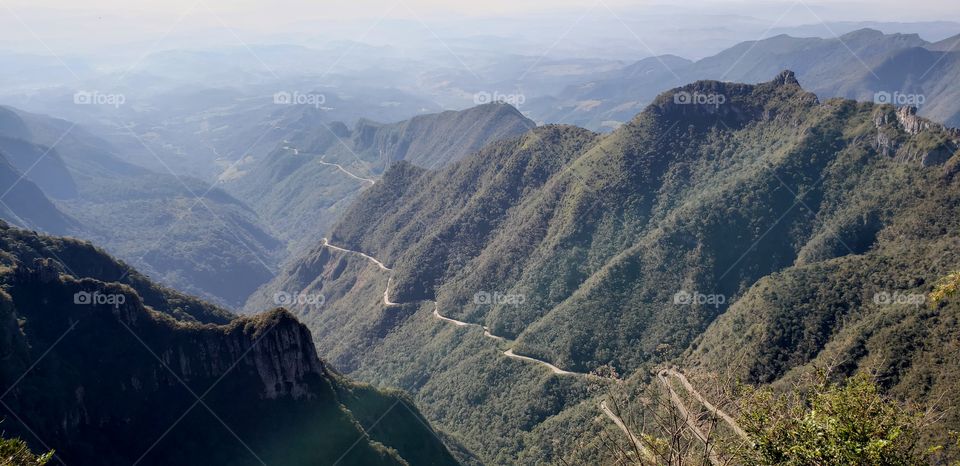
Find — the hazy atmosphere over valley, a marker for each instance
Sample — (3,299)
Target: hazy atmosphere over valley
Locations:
(416,232)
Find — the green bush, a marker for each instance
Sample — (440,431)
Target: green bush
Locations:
(15,452)
(832,424)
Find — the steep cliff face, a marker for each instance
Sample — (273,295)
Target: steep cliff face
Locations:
(273,348)
(908,138)
(102,378)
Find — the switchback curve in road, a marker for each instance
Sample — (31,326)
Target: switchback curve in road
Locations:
(688,419)
(344,170)
(326,243)
(710,407)
(436,313)
(662,375)
(623,426)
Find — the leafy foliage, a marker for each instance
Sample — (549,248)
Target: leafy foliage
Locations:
(16,452)
(850,424)
(945,288)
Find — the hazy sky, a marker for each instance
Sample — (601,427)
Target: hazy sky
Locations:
(66,25)
(483,7)
(274,10)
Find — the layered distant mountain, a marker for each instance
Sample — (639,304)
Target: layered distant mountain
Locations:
(24,204)
(183,231)
(304,185)
(858,65)
(104,367)
(192,234)
(698,234)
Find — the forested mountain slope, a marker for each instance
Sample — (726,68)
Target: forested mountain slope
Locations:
(624,249)
(302,187)
(104,367)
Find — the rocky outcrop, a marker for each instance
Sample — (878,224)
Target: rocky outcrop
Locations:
(281,352)
(706,103)
(911,123)
(908,138)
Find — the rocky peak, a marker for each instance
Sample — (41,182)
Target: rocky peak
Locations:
(912,124)
(785,78)
(909,138)
(271,347)
(734,104)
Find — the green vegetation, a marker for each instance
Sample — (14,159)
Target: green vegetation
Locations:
(850,424)
(113,380)
(298,190)
(945,288)
(179,230)
(16,452)
(82,259)
(799,235)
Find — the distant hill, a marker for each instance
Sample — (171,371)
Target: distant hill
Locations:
(856,65)
(929,30)
(950,44)
(124,374)
(697,234)
(301,188)
(42,164)
(24,204)
(180,230)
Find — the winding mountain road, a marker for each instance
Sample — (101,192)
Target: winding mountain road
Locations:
(337,165)
(326,243)
(623,426)
(710,407)
(556,370)
(436,313)
(386,295)
(662,376)
(688,419)
(344,170)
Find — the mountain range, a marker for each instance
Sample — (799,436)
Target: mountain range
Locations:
(489,266)
(697,235)
(302,187)
(864,65)
(185,232)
